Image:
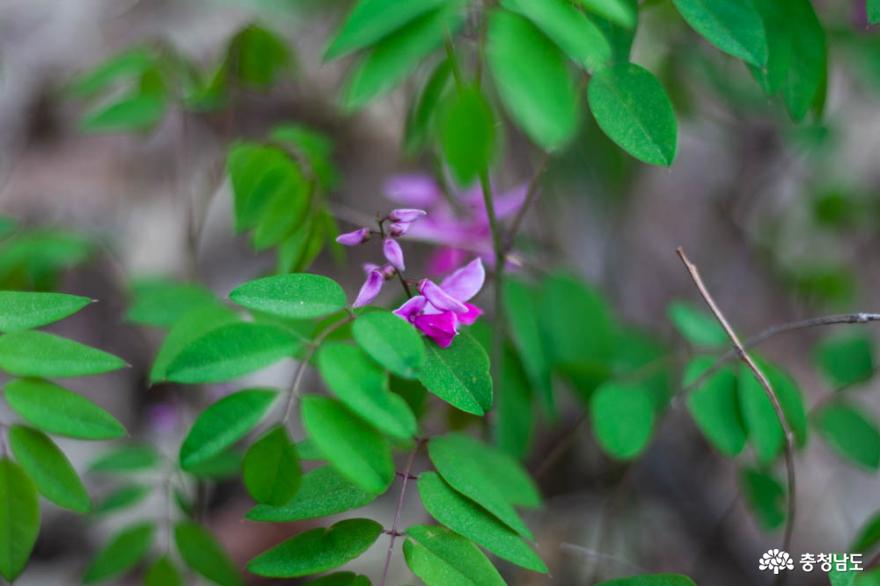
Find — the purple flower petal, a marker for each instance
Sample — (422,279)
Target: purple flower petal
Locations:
(354,238)
(411,308)
(415,190)
(393,254)
(398,229)
(370,289)
(440,327)
(471,316)
(406,215)
(466,282)
(439,298)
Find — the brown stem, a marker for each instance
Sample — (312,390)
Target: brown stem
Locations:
(531,196)
(768,388)
(407,474)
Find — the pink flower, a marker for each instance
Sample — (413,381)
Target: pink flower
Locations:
(393,254)
(354,238)
(371,287)
(406,215)
(440,309)
(413,190)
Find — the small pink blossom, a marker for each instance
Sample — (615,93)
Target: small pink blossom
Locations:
(354,238)
(393,254)
(371,287)
(398,229)
(406,215)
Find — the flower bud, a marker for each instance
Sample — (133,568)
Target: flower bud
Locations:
(406,215)
(393,254)
(398,229)
(354,238)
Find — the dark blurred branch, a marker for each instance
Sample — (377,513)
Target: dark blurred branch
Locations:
(395,526)
(762,378)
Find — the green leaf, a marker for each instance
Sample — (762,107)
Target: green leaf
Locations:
(696,326)
(357,451)
(759,415)
(134,458)
(391,342)
(295,296)
(470,520)
(765,497)
(458,460)
(342,579)
(515,423)
(204,555)
(467,134)
(620,12)
(49,468)
(317,550)
(223,466)
(32,353)
(363,387)
(58,411)
(122,498)
(162,302)
(190,328)
(846,361)
(868,536)
(651,580)
(323,492)
(19,519)
(715,407)
(224,423)
(623,419)
(522,311)
(850,433)
(632,108)
(256,172)
(442,558)
(420,121)
(569,28)
(139,111)
(122,553)
(533,81)
(873,8)
(734,26)
(163,573)
(271,470)
(21,310)
(257,57)
(459,374)
(129,64)
(231,351)
(843,577)
(395,56)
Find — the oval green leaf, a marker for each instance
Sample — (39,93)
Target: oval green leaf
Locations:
(23,310)
(623,419)
(271,470)
(443,558)
(619,12)
(49,468)
(391,342)
(191,326)
(715,407)
(122,553)
(19,524)
(133,458)
(31,353)
(850,433)
(163,573)
(467,134)
(459,374)
(204,555)
(734,26)
(296,296)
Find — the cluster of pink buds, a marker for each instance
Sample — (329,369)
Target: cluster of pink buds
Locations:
(391,227)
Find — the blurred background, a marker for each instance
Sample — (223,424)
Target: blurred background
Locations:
(782,219)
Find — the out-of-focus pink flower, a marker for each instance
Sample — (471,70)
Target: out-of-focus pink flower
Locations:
(413,190)
(440,309)
(393,254)
(354,238)
(406,215)
(163,418)
(398,229)
(371,287)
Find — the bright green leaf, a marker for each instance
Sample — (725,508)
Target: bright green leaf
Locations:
(271,470)
(33,353)
(620,12)
(49,468)
(632,108)
(734,26)
(58,411)
(363,387)
(295,296)
(873,8)
(132,458)
(317,550)
(623,419)
(696,326)
(357,450)
(163,573)
(121,498)
(467,134)
(651,580)
(122,553)
(850,433)
(459,374)
(21,310)
(765,497)
(224,423)
(187,330)
(129,64)
(140,111)
(765,431)
(162,302)
(19,519)
(257,57)
(715,407)
(470,520)
(443,558)
(391,342)
(846,361)
(533,81)
(201,552)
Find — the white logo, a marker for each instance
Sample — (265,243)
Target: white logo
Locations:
(776,560)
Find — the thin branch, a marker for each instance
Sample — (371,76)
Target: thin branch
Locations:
(768,388)
(407,474)
(531,196)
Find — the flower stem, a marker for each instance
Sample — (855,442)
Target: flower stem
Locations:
(395,526)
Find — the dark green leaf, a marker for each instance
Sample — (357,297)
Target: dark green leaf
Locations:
(459,374)
(342,579)
(623,419)
(620,12)
(515,423)
(696,326)
(122,498)
(395,56)
(759,415)
(163,573)
(257,57)
(121,554)
(224,423)
(470,520)
(139,111)
(21,310)
(296,296)
(190,328)
(533,81)
(467,134)
(569,28)
(201,552)
(850,433)
(32,353)
(651,580)
(49,468)
(420,122)
(271,470)
(58,411)
(715,407)
(632,108)
(323,492)
(847,361)
(868,536)
(522,311)
(765,497)
(162,302)
(19,519)
(231,351)
(256,172)
(442,558)
(873,8)
(317,550)
(132,458)
(357,451)
(391,342)
(734,26)
(363,387)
